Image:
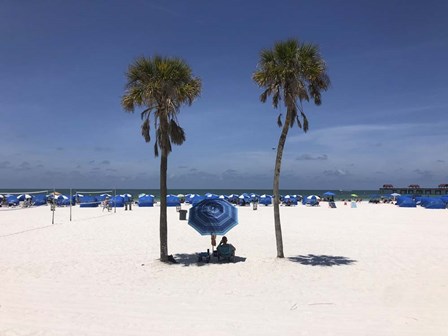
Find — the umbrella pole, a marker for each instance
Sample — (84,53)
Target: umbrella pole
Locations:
(213,242)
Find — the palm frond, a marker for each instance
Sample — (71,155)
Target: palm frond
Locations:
(299,124)
(276,97)
(293,72)
(279,120)
(156,149)
(127,103)
(176,133)
(145,113)
(264,95)
(305,122)
(146,130)
(291,115)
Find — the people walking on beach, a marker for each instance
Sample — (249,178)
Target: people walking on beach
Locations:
(106,204)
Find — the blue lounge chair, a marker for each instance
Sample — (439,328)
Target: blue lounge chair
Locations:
(226,252)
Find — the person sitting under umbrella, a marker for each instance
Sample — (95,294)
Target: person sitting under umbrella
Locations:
(225,250)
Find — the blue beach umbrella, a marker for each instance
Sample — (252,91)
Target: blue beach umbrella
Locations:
(189,197)
(23,197)
(196,199)
(254,197)
(266,199)
(233,198)
(213,217)
(290,199)
(62,200)
(12,200)
(313,197)
(102,197)
(329,193)
(244,199)
(127,197)
(172,201)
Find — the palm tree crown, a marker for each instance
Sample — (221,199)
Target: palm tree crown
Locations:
(292,71)
(162,85)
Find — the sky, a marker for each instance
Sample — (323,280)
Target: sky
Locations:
(62,76)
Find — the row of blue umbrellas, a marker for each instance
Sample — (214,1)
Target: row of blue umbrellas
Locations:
(216,216)
(236,198)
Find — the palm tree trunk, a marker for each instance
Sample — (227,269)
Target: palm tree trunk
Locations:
(163,212)
(278,164)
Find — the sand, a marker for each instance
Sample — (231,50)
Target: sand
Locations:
(373,270)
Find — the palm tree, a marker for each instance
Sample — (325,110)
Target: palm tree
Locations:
(293,72)
(161,86)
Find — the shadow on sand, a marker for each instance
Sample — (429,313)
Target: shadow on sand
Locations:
(192,259)
(322,260)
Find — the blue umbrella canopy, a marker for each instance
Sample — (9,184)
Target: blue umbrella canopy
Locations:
(23,197)
(189,197)
(211,196)
(213,217)
(313,197)
(265,199)
(329,193)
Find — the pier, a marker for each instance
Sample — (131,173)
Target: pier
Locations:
(415,189)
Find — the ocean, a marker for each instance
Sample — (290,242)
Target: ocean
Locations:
(340,194)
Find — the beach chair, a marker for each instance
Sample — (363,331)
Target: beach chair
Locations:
(226,252)
(332,204)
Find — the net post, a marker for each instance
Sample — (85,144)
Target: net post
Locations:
(53,206)
(71,199)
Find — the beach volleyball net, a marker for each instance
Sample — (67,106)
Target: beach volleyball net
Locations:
(93,199)
(16,200)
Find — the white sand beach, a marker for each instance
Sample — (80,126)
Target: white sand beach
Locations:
(373,270)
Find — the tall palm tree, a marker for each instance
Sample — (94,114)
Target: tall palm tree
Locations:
(293,72)
(161,86)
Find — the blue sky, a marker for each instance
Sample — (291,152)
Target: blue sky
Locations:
(62,66)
